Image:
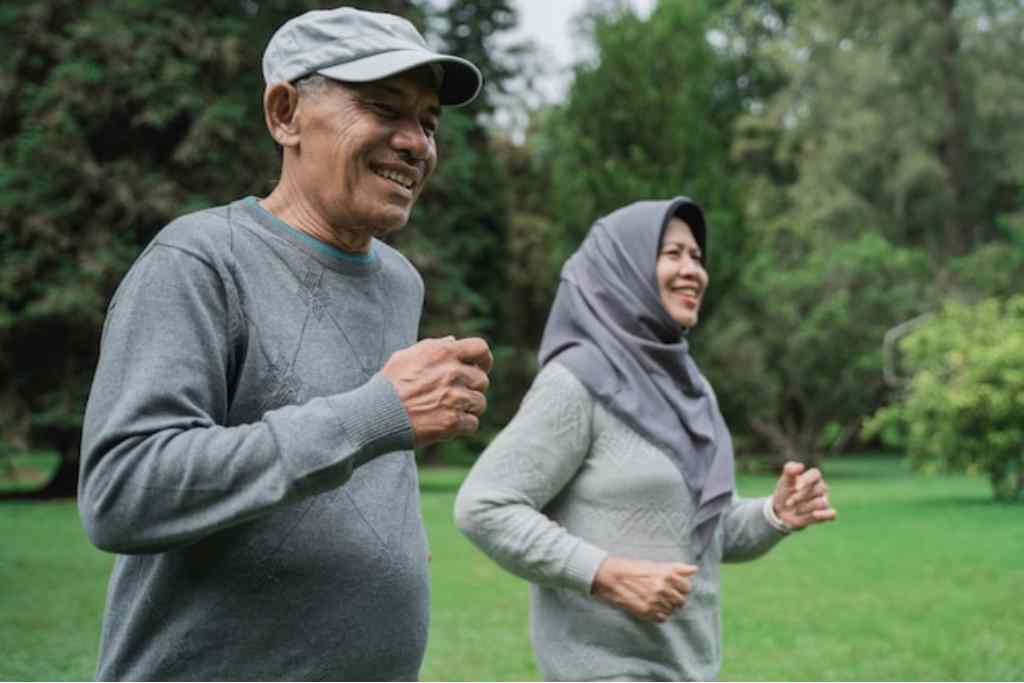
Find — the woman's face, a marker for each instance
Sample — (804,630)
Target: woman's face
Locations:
(680,273)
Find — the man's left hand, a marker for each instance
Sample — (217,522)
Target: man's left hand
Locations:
(801,497)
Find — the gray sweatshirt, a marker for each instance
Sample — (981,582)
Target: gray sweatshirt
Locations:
(250,465)
(564,485)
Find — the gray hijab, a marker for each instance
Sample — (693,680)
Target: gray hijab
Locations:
(608,326)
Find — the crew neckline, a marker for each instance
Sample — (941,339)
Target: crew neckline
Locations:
(304,239)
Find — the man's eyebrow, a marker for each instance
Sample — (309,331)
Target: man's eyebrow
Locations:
(388,89)
(381,87)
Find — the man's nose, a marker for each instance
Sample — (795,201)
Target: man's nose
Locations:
(411,139)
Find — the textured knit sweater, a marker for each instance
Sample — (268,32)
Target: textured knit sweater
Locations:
(250,465)
(564,485)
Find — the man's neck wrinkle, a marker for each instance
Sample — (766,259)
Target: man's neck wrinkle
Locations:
(289,205)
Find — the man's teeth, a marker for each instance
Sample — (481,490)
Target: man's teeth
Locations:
(403,180)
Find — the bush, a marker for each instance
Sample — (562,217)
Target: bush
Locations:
(795,351)
(963,409)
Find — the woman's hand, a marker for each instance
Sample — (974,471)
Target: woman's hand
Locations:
(801,498)
(648,590)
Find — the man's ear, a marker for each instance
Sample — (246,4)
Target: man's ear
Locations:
(280,105)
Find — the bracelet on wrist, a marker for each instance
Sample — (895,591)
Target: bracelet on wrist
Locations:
(773,519)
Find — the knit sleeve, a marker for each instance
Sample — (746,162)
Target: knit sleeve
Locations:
(160,468)
(747,530)
(500,504)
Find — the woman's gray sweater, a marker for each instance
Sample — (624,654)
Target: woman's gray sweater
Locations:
(566,484)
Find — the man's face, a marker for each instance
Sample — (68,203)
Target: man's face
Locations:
(366,150)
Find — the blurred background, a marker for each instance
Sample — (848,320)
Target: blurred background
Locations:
(861,165)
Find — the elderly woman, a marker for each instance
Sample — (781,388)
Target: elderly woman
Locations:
(612,490)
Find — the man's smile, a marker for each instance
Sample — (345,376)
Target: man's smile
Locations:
(405,177)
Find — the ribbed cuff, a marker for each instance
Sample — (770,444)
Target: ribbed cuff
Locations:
(374,419)
(582,566)
(773,519)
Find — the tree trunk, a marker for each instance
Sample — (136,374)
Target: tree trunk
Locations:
(997,478)
(958,228)
(429,456)
(1007,481)
(798,446)
(7,468)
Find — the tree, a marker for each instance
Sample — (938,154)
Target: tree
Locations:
(650,116)
(115,117)
(963,409)
(905,118)
(886,124)
(472,29)
(796,348)
(458,233)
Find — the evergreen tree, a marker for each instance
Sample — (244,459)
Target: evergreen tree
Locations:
(650,115)
(904,118)
(887,126)
(115,117)
(458,232)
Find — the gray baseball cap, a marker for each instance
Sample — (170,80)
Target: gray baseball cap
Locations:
(357,46)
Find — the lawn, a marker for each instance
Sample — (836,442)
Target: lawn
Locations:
(920,579)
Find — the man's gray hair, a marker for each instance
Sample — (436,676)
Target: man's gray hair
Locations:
(312,85)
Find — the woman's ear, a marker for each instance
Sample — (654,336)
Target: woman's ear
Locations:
(280,106)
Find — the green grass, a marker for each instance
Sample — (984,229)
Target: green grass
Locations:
(920,579)
(52,585)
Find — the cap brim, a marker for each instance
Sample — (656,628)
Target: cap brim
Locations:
(461,84)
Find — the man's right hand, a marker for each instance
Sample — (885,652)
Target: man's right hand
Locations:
(650,591)
(441,383)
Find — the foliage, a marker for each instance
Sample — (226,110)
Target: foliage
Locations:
(649,116)
(964,407)
(458,235)
(995,269)
(904,117)
(802,127)
(114,118)
(886,122)
(456,238)
(470,29)
(118,116)
(798,344)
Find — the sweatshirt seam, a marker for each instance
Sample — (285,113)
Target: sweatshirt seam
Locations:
(191,253)
(234,327)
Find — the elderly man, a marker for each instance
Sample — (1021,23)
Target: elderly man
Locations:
(248,436)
